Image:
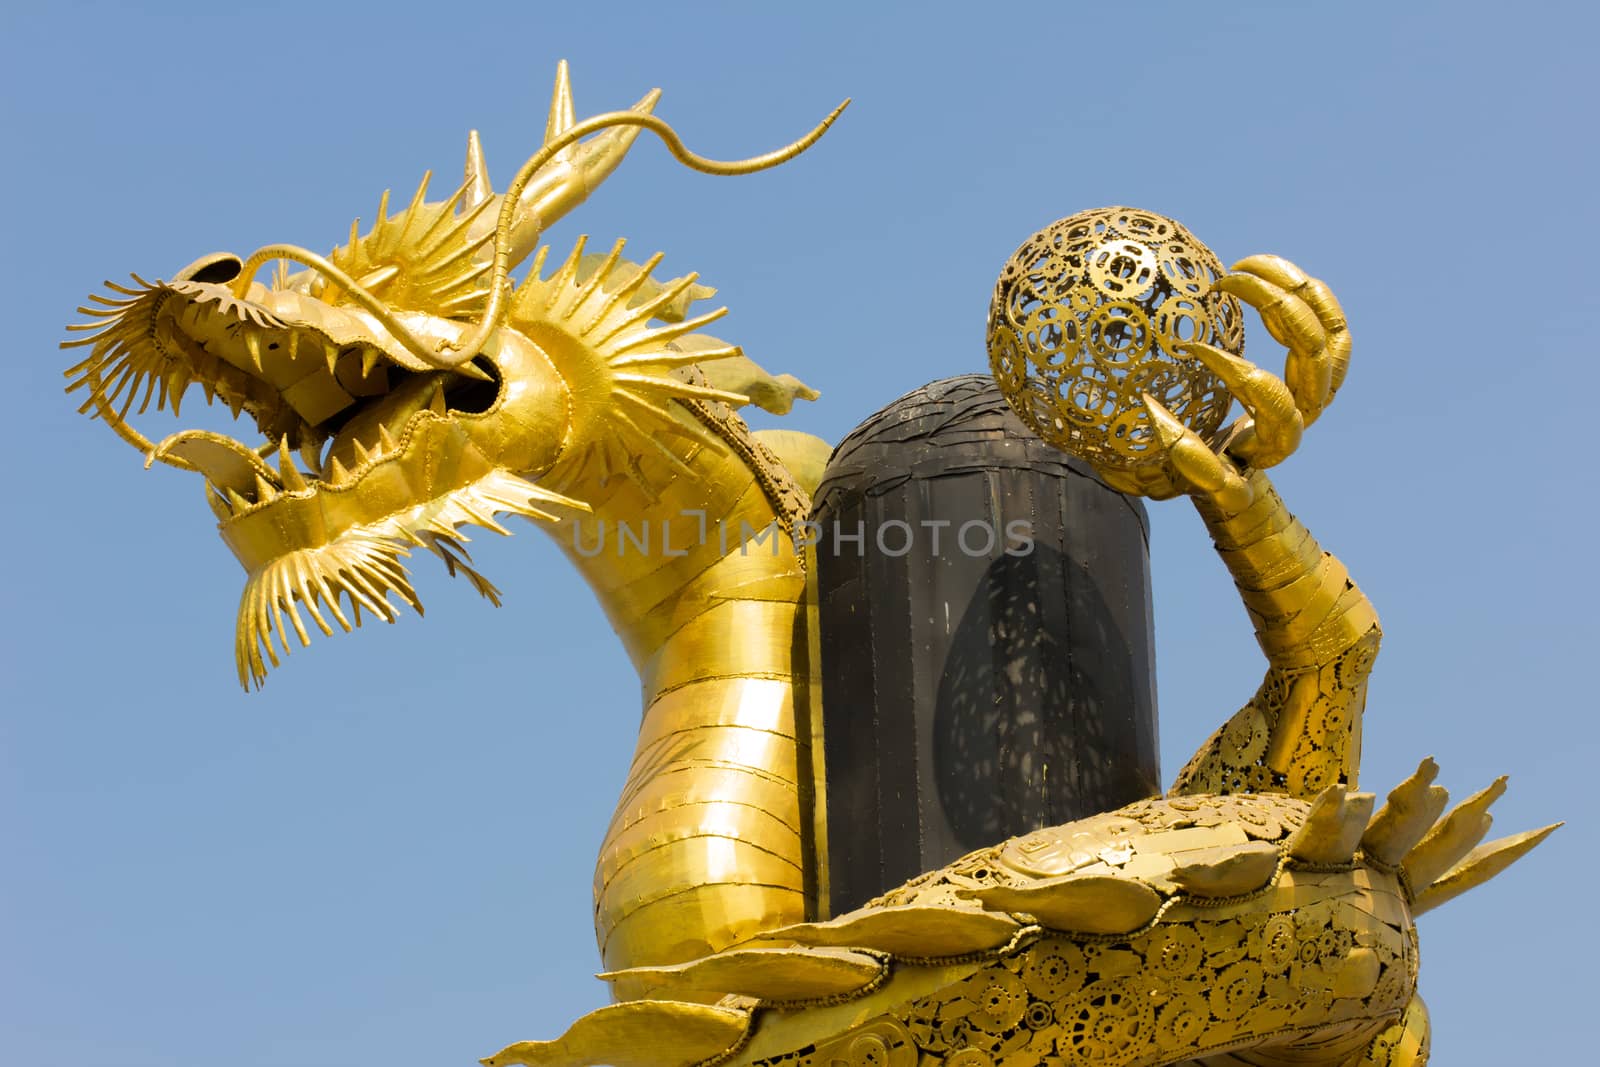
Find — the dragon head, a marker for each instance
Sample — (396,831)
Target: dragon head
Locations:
(404,387)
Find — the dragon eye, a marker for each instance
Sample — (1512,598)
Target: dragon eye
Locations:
(217,268)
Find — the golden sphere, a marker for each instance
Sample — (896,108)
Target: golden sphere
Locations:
(1090,313)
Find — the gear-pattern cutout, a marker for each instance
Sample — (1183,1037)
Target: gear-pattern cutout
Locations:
(1216,983)
(1235,760)
(1091,313)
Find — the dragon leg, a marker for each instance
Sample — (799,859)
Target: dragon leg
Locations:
(1301,732)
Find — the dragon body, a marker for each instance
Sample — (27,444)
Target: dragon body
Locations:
(407,388)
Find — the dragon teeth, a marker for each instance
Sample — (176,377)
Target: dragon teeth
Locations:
(288,473)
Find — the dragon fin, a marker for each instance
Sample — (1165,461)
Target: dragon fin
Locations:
(771,974)
(1452,837)
(636,1033)
(1226,870)
(1413,807)
(1481,864)
(1082,903)
(911,930)
(1332,829)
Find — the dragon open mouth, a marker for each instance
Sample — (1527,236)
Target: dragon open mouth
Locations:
(316,380)
(368,451)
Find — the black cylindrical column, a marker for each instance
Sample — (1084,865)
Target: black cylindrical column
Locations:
(986,649)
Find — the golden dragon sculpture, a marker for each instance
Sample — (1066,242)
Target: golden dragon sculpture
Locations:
(407,387)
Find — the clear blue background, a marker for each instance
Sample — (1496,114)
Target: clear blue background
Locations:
(386,856)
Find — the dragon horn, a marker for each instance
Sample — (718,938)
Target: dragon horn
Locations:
(475,177)
(562,117)
(575,172)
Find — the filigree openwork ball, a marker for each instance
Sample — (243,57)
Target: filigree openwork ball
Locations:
(1093,311)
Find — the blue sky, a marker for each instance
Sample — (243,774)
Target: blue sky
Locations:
(386,855)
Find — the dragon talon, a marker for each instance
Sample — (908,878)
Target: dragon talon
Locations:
(1270,402)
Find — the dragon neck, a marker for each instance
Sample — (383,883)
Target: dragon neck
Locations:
(692,559)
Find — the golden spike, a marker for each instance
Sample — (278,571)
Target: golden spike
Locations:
(539,257)
(265,490)
(289,597)
(446,210)
(1453,836)
(431,246)
(149,379)
(683,390)
(673,358)
(1481,864)
(238,503)
(480,516)
(304,576)
(568,270)
(640,1033)
(1226,870)
(1413,806)
(252,345)
(414,209)
(385,441)
(562,117)
(276,595)
(663,334)
(354,585)
(1080,903)
(623,292)
(475,175)
(380,223)
(446,265)
(598,276)
(177,381)
(694,430)
(650,308)
(369,361)
(436,402)
(337,475)
(1332,829)
(453,279)
(362,455)
(310,569)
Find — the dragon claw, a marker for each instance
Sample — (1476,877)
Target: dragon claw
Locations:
(1302,314)
(1271,403)
(1194,463)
